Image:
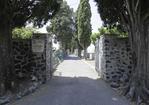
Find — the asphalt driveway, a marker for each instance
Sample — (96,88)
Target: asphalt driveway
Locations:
(74,83)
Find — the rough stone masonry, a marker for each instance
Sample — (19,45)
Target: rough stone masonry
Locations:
(32,62)
(32,65)
(114,59)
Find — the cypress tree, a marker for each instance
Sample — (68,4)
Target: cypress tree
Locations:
(83,24)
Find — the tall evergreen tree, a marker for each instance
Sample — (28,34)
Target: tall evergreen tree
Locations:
(83,24)
(62,25)
(79,47)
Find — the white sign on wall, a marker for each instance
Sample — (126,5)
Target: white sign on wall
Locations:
(38,45)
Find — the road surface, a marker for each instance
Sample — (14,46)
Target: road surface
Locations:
(74,83)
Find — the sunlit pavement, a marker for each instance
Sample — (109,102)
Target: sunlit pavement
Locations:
(74,83)
(74,67)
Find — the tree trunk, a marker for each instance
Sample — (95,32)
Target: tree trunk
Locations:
(6,59)
(85,53)
(137,88)
(85,50)
(79,52)
(139,79)
(79,48)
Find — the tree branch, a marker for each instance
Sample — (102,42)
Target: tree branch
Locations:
(129,10)
(146,90)
(137,5)
(124,19)
(146,16)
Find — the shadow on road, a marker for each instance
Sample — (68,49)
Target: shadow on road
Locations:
(71,58)
(74,91)
(74,83)
(84,91)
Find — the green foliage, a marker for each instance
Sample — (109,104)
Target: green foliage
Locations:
(103,30)
(77,44)
(108,31)
(120,12)
(110,11)
(22,33)
(94,37)
(112,31)
(17,12)
(133,16)
(62,24)
(83,23)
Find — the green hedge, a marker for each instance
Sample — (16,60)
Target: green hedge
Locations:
(108,31)
(22,33)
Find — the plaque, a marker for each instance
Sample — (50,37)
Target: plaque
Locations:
(38,45)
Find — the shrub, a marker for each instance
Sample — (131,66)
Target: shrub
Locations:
(22,33)
(107,31)
(112,31)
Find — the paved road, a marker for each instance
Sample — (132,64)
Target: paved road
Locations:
(74,83)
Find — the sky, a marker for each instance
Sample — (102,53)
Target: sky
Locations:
(95,19)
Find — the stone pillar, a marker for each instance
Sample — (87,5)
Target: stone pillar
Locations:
(115,59)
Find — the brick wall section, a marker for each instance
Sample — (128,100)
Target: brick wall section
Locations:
(113,59)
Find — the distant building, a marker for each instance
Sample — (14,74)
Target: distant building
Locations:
(91,51)
(55,44)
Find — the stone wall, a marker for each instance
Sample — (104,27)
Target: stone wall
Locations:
(113,59)
(29,63)
(49,52)
(32,62)
(22,54)
(32,65)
